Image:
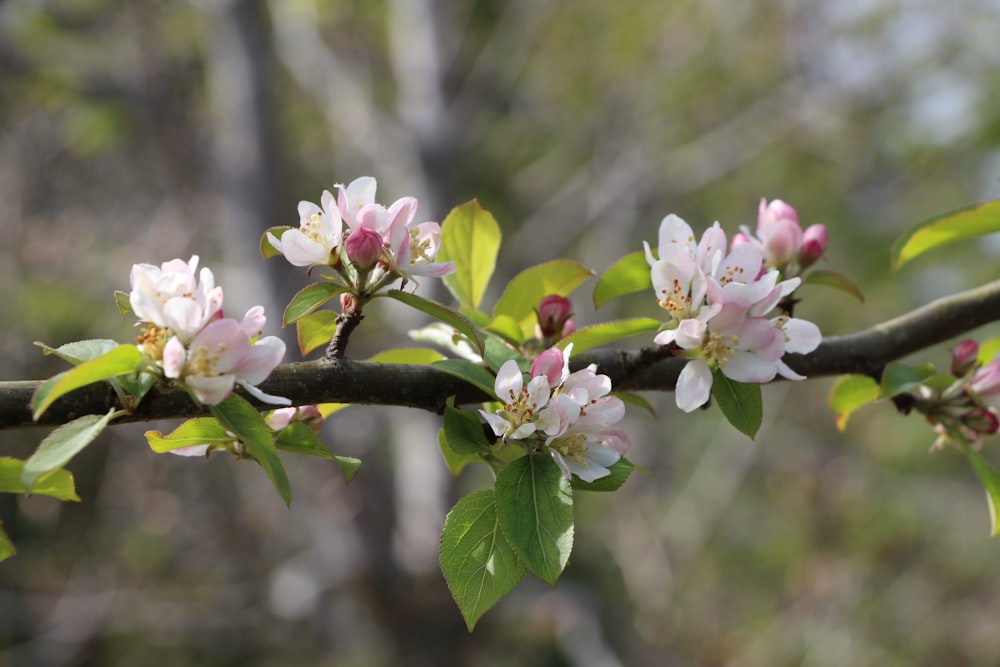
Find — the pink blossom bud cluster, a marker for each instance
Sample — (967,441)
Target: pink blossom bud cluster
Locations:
(783,242)
(718,305)
(367,244)
(554,323)
(570,414)
(968,408)
(190,341)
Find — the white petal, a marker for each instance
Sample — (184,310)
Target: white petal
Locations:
(749,367)
(803,336)
(300,250)
(509,382)
(694,385)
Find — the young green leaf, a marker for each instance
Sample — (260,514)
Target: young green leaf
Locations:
(507,328)
(899,377)
(315,330)
(123,301)
(835,280)
(535,505)
(463,430)
(239,417)
(197,431)
(988,349)
(477,562)
(441,313)
(468,371)
(117,361)
(499,351)
(62,444)
(629,274)
(57,484)
(7,548)
(349,467)
(608,332)
(639,401)
(526,290)
(740,402)
(470,238)
(308,299)
(850,393)
(991,484)
(965,223)
(298,438)
(79,351)
(456,462)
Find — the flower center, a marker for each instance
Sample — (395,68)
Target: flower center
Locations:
(202,362)
(572,447)
(718,348)
(311,228)
(419,250)
(675,301)
(152,340)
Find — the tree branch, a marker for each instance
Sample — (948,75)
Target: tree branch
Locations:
(425,387)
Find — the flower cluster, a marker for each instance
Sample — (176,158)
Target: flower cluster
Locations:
(569,414)
(718,304)
(784,244)
(188,339)
(378,245)
(967,408)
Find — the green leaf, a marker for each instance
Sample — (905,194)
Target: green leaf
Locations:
(965,223)
(62,444)
(79,351)
(56,484)
(835,280)
(123,302)
(620,472)
(197,431)
(349,467)
(408,355)
(629,274)
(315,330)
(298,438)
(308,299)
(477,562)
(463,430)
(507,328)
(442,313)
(740,402)
(456,462)
(7,548)
(476,316)
(899,377)
(136,385)
(535,505)
(988,349)
(639,401)
(470,238)
(607,332)
(526,290)
(241,418)
(991,484)
(267,250)
(468,371)
(850,393)
(499,351)
(117,361)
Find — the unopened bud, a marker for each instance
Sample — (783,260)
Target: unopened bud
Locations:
(739,238)
(813,244)
(963,357)
(553,313)
(549,363)
(363,247)
(769,213)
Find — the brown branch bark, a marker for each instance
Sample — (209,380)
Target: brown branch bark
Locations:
(424,387)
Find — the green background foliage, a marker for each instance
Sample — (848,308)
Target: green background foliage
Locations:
(147,131)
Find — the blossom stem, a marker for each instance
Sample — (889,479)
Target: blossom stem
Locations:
(346,323)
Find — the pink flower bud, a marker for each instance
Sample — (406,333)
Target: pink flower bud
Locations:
(307,414)
(364,247)
(553,312)
(768,214)
(813,244)
(739,238)
(963,357)
(986,382)
(549,363)
(782,239)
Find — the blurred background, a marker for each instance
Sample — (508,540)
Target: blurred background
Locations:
(143,131)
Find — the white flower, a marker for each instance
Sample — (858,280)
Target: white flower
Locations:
(519,418)
(318,237)
(171,297)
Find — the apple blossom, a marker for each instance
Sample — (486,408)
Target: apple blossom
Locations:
(170,297)
(318,237)
(519,416)
(220,356)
